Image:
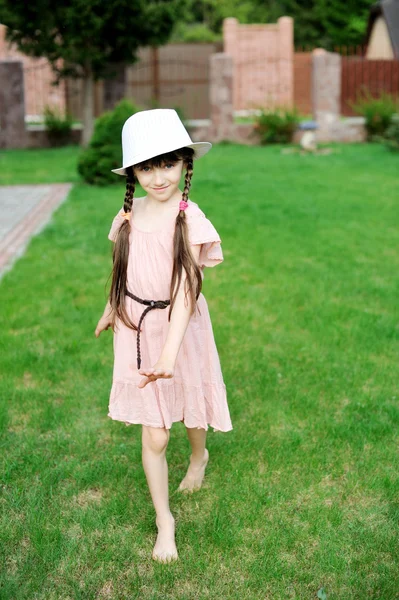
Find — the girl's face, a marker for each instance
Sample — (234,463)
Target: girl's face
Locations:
(160,183)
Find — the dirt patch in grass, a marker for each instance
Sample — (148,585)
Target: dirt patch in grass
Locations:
(88,497)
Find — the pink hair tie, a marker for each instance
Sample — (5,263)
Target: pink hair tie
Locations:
(126,216)
(183,205)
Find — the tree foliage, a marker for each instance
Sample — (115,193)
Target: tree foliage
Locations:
(322,23)
(88,35)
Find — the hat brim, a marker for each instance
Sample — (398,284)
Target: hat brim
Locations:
(200,149)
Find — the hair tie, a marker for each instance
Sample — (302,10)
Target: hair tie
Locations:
(126,216)
(183,205)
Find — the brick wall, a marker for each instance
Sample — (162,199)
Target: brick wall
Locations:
(262,62)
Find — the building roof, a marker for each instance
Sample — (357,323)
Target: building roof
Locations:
(389,9)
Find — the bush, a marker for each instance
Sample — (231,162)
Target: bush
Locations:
(58,126)
(104,151)
(392,135)
(276,126)
(378,112)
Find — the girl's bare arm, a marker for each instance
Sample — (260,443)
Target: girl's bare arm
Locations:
(178,324)
(106,320)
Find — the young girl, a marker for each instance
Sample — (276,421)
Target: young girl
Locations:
(166,365)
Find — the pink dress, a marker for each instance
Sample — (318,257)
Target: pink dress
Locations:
(196,394)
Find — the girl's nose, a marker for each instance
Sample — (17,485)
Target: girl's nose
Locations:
(159,178)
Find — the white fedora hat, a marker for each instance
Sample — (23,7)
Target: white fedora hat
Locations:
(149,133)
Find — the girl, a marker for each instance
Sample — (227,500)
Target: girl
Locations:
(166,365)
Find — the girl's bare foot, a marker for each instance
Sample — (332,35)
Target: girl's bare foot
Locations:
(195,474)
(165,547)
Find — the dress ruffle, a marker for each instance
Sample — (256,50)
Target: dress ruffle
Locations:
(160,404)
(201,231)
(116,223)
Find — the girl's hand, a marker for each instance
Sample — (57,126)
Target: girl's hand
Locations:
(104,323)
(162,370)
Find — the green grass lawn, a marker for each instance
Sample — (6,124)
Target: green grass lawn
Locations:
(303,494)
(33,166)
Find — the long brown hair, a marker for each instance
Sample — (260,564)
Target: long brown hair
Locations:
(182,255)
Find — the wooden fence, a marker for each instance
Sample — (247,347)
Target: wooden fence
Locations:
(177,75)
(302,64)
(359,75)
(172,76)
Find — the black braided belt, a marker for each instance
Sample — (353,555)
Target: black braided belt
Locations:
(151,304)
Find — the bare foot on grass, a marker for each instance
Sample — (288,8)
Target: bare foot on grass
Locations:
(195,474)
(165,550)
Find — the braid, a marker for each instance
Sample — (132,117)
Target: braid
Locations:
(187,180)
(182,256)
(120,257)
(130,186)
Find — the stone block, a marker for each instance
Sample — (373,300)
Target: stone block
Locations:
(12,105)
(221,96)
(326,86)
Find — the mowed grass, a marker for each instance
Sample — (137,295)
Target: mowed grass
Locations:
(302,496)
(19,167)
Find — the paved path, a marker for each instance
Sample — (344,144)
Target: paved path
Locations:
(24,211)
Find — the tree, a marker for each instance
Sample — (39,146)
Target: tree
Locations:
(82,38)
(324,23)
(345,22)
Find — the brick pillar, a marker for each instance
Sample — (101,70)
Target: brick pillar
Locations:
(231,47)
(12,105)
(2,42)
(326,91)
(230,33)
(221,97)
(286,60)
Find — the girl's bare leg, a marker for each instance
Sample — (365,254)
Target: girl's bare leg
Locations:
(155,441)
(198,460)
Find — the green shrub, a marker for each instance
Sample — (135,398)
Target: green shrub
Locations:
(378,112)
(276,126)
(392,135)
(58,126)
(104,151)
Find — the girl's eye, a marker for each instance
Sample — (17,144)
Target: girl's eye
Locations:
(169,165)
(145,169)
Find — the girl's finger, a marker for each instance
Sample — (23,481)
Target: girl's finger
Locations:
(144,382)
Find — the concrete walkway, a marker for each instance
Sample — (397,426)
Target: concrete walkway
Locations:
(24,211)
